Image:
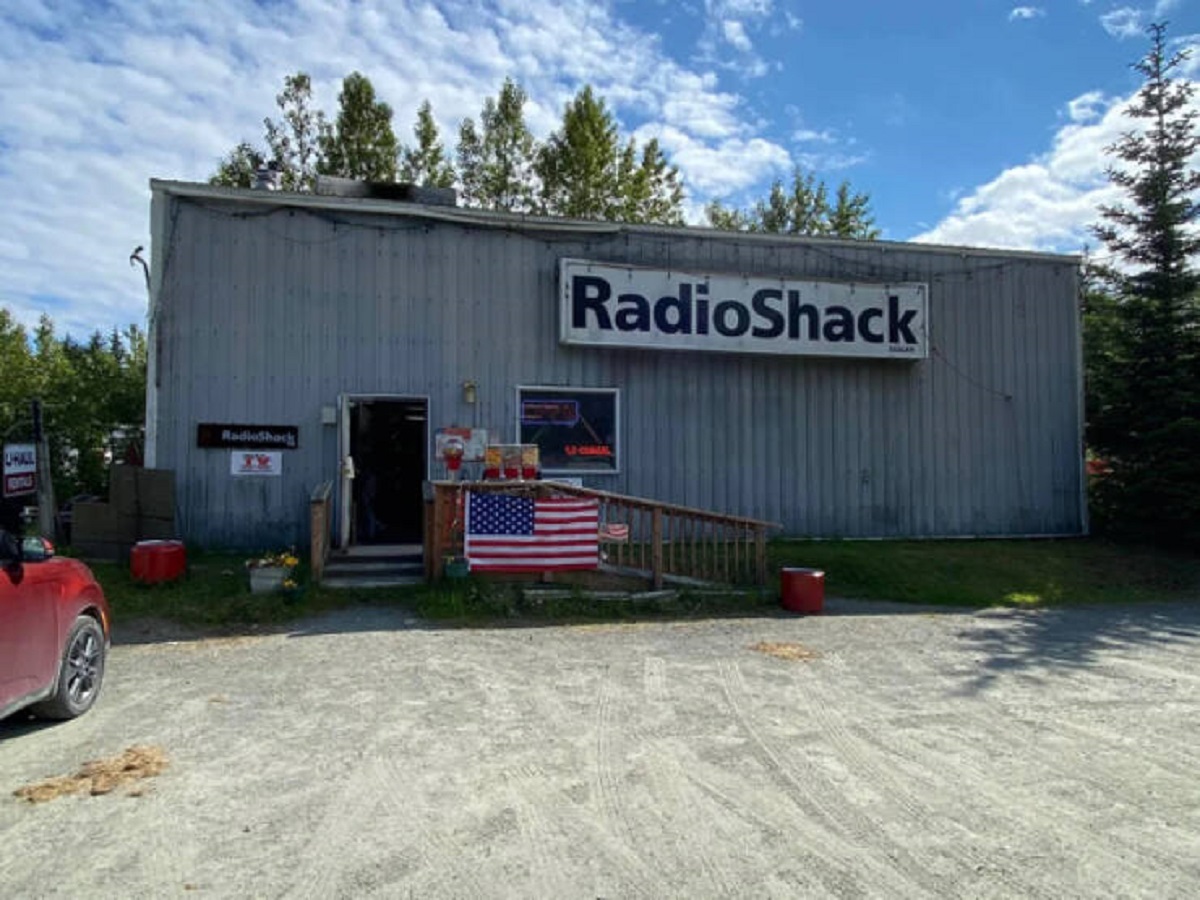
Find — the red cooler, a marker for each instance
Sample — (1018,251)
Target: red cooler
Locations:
(153,562)
(802,590)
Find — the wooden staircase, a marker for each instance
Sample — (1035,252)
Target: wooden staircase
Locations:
(385,565)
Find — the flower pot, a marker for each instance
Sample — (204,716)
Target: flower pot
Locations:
(267,579)
(457,568)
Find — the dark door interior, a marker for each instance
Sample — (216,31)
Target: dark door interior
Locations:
(388,442)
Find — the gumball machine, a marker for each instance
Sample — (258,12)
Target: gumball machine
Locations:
(452,453)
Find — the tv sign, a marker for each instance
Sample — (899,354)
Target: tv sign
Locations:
(20,470)
(627,306)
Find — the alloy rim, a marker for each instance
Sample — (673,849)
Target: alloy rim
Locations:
(83,668)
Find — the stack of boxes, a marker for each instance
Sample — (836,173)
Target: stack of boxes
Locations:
(141,506)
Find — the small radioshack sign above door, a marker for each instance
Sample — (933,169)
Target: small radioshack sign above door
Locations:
(213,434)
(20,470)
(255,462)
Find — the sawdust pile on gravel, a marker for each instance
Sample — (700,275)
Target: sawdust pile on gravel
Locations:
(785,650)
(100,776)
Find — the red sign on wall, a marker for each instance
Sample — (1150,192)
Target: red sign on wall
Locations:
(20,470)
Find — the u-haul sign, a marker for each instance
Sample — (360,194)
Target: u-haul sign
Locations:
(20,470)
(628,306)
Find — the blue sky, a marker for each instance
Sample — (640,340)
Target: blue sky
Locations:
(967,121)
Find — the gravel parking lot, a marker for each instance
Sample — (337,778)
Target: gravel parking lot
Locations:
(904,753)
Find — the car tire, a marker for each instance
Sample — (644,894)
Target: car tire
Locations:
(80,673)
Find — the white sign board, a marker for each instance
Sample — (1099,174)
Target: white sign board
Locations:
(20,469)
(627,306)
(256,462)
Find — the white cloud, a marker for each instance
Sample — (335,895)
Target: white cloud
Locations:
(735,33)
(1086,107)
(809,136)
(1025,12)
(726,42)
(1123,22)
(97,99)
(1050,202)
(724,168)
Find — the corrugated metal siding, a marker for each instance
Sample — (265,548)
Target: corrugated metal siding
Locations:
(265,318)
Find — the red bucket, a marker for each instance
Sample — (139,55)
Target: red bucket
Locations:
(153,562)
(802,590)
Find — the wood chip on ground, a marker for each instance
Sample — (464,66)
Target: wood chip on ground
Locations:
(785,650)
(100,776)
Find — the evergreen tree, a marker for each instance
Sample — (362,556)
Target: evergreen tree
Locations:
(427,164)
(578,164)
(496,161)
(801,208)
(654,193)
(585,172)
(1145,415)
(850,216)
(361,143)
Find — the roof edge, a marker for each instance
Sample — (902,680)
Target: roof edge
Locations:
(522,221)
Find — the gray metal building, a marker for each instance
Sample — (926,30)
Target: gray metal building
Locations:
(334,320)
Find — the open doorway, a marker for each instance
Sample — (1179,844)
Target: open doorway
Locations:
(386,439)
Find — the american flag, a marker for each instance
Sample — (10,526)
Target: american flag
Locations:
(519,534)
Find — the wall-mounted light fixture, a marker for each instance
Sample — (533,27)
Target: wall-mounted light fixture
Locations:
(470,392)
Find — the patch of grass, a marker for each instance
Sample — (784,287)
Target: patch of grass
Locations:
(997,572)
(215,592)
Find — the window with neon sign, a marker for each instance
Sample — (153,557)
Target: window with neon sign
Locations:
(575,429)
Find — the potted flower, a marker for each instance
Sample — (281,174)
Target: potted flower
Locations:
(269,572)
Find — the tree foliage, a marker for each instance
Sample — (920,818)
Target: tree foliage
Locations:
(93,395)
(427,164)
(360,143)
(803,207)
(586,173)
(496,160)
(585,169)
(294,141)
(1144,392)
(578,165)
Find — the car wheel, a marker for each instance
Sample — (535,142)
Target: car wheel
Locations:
(79,673)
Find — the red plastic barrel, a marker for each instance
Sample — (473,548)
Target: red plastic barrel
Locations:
(802,590)
(153,562)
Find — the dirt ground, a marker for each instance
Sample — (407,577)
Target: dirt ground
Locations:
(877,751)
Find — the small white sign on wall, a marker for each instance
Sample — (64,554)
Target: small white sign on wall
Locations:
(255,462)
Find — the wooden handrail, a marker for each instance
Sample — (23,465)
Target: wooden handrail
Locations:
(663,539)
(639,502)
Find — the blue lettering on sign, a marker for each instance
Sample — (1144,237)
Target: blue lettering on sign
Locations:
(769,314)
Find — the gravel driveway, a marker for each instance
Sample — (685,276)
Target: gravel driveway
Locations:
(906,753)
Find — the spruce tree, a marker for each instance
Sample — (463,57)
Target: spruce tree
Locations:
(361,143)
(427,164)
(1146,424)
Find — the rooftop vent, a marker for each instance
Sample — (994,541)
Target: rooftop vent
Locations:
(333,186)
(268,177)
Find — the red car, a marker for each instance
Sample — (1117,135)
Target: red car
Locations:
(54,631)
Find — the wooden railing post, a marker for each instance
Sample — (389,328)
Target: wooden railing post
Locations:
(319,523)
(443,500)
(760,555)
(656,547)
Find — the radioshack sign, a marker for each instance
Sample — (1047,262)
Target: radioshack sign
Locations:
(625,306)
(20,470)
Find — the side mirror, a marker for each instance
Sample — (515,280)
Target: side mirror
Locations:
(36,549)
